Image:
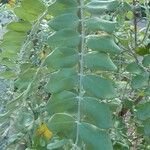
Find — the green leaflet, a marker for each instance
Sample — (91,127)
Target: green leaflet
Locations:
(30,10)
(21,26)
(57,144)
(13,36)
(147,127)
(62,7)
(94,138)
(64,101)
(99,61)
(21,13)
(103,43)
(8,74)
(146,61)
(62,58)
(143,50)
(96,112)
(143,111)
(100,7)
(65,79)
(66,37)
(64,21)
(9,46)
(35,7)
(25,78)
(12,42)
(139,81)
(98,24)
(10,54)
(134,68)
(8,62)
(98,86)
(63,124)
(120,146)
(147,91)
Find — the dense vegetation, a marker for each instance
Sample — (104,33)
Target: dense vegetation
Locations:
(81,72)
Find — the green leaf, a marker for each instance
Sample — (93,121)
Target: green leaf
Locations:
(147,91)
(66,37)
(22,14)
(96,24)
(139,81)
(14,37)
(96,112)
(147,127)
(57,144)
(143,111)
(127,103)
(62,124)
(9,46)
(64,21)
(98,86)
(25,78)
(130,15)
(64,79)
(9,54)
(21,26)
(8,74)
(94,137)
(12,42)
(120,146)
(146,61)
(65,101)
(62,7)
(99,61)
(142,50)
(134,68)
(103,43)
(35,7)
(62,58)
(100,7)
(8,62)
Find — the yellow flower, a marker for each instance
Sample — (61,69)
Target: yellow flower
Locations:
(44,131)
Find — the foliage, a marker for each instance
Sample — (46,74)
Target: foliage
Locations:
(81,74)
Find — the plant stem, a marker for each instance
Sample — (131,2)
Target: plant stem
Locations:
(30,37)
(135,23)
(81,66)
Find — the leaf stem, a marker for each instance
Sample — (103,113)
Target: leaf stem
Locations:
(81,66)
